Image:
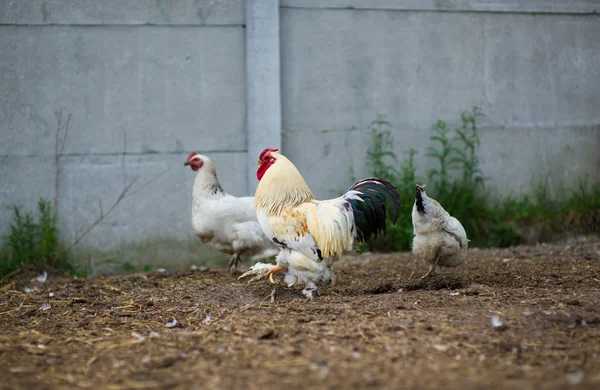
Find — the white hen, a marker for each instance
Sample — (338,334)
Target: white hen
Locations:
(440,239)
(222,221)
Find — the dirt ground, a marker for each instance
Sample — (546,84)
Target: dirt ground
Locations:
(380,327)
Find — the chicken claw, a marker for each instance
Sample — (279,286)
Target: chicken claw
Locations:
(261,270)
(258,271)
(274,270)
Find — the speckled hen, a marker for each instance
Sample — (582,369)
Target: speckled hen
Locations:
(439,239)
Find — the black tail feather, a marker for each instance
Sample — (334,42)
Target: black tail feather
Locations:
(370,213)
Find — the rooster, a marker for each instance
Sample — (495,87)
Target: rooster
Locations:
(313,234)
(440,239)
(222,221)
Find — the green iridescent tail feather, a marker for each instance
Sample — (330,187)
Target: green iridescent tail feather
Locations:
(370,208)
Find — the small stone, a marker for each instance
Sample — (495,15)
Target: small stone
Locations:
(172,323)
(43,277)
(496,323)
(575,378)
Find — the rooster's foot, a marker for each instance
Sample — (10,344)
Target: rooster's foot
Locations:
(258,271)
(261,270)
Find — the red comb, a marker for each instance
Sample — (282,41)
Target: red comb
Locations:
(191,155)
(267,150)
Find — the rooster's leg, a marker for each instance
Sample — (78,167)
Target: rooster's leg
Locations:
(233,262)
(274,270)
(432,267)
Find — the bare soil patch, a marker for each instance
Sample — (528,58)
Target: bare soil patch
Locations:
(380,327)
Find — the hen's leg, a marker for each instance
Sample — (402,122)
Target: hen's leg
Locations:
(432,267)
(273,294)
(233,262)
(431,271)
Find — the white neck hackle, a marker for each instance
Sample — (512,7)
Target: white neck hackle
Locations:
(281,186)
(206,184)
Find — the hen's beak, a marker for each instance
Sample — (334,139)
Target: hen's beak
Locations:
(420,188)
(185,164)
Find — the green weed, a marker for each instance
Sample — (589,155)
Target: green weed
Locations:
(33,241)
(458,183)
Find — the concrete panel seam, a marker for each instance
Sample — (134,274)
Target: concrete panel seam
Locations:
(553,8)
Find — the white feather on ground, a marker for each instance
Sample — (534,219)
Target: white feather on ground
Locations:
(223,221)
(439,239)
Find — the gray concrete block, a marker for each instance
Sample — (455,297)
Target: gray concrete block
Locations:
(535,77)
(129,12)
(517,160)
(514,160)
(263,88)
(326,159)
(156,89)
(340,68)
(541,72)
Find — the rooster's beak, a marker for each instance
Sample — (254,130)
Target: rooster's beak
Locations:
(185,164)
(259,162)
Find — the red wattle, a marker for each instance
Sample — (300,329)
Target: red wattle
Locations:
(262,168)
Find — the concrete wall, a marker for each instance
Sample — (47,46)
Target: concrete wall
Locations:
(147,82)
(144,84)
(536,76)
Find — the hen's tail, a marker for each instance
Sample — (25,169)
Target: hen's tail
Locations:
(367,198)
